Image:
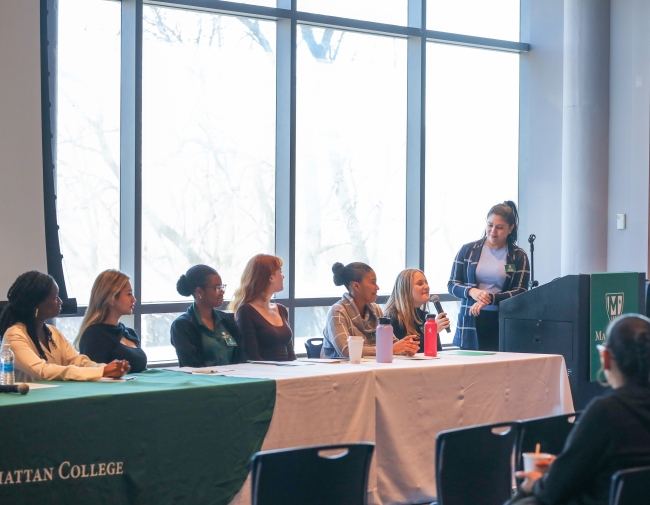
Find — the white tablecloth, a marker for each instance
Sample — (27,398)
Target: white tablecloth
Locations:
(402,406)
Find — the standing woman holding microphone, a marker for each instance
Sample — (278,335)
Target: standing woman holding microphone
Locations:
(486,272)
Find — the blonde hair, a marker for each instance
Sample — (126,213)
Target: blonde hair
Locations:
(400,304)
(254,279)
(107,287)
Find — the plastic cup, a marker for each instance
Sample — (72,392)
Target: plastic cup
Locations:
(355,349)
(531,459)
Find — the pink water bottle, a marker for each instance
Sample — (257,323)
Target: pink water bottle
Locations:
(431,336)
(384,341)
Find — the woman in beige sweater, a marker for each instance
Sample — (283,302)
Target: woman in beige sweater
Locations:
(41,351)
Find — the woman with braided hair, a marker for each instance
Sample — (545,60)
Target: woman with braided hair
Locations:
(612,434)
(41,351)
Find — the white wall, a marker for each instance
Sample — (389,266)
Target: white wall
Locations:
(629,134)
(22,228)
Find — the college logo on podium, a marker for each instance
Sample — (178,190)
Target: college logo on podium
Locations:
(614,303)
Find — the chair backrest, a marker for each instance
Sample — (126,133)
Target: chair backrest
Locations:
(313,346)
(550,432)
(315,475)
(474,465)
(630,487)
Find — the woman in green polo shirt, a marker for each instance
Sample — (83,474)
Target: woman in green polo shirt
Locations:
(204,336)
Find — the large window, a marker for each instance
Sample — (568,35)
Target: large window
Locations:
(351,156)
(472,147)
(208,162)
(495,19)
(88,140)
(300,128)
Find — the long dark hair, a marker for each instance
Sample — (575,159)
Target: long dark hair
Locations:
(27,292)
(508,211)
(628,340)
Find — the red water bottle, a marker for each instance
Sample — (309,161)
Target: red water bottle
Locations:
(431,336)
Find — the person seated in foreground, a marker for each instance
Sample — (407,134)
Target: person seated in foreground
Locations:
(204,336)
(102,337)
(612,434)
(405,307)
(41,351)
(356,314)
(264,325)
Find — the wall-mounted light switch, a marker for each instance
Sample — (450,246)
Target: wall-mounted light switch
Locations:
(620,221)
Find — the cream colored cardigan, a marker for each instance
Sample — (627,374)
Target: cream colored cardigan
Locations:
(63,362)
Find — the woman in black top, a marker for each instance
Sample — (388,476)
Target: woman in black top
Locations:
(612,434)
(102,337)
(264,326)
(405,307)
(204,336)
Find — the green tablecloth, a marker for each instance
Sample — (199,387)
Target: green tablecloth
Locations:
(166,437)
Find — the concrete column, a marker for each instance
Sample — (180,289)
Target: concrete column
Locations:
(585,136)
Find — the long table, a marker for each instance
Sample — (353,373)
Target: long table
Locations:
(403,405)
(186,438)
(165,438)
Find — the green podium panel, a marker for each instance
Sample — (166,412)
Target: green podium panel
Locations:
(610,296)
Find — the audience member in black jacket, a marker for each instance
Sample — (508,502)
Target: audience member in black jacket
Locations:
(102,337)
(612,434)
(404,307)
(204,336)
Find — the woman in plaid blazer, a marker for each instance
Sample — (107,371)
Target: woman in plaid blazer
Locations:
(484,273)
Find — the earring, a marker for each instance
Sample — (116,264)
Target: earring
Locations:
(36,314)
(602,378)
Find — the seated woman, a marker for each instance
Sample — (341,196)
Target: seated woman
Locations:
(41,351)
(357,314)
(613,432)
(204,336)
(405,307)
(102,337)
(264,326)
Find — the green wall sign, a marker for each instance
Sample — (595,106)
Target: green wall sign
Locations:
(611,294)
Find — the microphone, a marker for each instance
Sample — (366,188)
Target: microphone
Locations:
(23,389)
(436,303)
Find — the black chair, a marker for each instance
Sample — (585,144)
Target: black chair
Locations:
(630,487)
(550,432)
(313,346)
(474,465)
(321,475)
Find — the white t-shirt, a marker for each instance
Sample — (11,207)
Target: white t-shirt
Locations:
(491,271)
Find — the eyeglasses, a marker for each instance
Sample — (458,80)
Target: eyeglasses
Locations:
(219,287)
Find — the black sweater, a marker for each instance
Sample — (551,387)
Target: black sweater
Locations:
(101,343)
(400,331)
(186,338)
(612,434)
(262,340)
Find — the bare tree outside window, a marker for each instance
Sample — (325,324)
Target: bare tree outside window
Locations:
(88,140)
(351,156)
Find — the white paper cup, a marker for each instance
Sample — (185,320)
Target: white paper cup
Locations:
(355,349)
(531,459)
